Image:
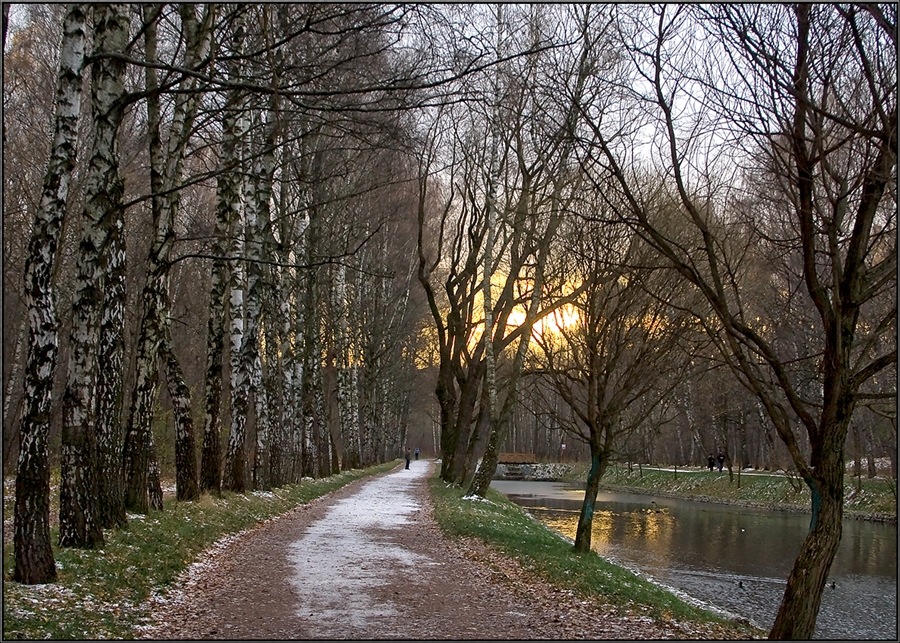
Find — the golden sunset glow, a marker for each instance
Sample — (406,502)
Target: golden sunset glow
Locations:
(565,316)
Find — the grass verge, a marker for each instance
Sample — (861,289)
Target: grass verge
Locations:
(100,594)
(508,528)
(873,498)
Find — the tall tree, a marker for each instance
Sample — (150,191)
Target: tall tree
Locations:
(258,229)
(228,214)
(31,523)
(806,92)
(154,339)
(547,186)
(79,507)
(620,351)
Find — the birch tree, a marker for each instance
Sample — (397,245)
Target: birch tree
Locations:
(258,224)
(31,523)
(228,215)
(154,339)
(79,511)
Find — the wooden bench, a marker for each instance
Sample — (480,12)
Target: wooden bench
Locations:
(516,458)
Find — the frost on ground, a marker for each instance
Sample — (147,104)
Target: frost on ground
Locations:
(368,561)
(354,544)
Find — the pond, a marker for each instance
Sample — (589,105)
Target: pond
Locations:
(734,558)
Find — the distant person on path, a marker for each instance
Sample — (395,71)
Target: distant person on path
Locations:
(417,453)
(711,462)
(407,458)
(721,460)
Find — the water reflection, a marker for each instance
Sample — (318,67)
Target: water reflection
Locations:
(735,558)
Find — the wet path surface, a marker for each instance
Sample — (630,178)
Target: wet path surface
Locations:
(375,548)
(369,562)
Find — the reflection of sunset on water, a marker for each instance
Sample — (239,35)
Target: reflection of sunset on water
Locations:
(706,549)
(655,528)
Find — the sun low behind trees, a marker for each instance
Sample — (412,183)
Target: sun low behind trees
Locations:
(756,167)
(661,230)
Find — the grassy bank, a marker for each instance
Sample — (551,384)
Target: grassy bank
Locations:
(874,498)
(508,528)
(101,593)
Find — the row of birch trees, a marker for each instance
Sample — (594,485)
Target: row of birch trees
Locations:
(598,204)
(238,159)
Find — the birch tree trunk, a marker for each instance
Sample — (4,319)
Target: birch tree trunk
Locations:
(280,351)
(110,479)
(317,459)
(166,173)
(258,225)
(346,380)
(233,476)
(242,340)
(31,522)
(187,486)
(228,215)
(321,433)
(302,426)
(273,380)
(79,520)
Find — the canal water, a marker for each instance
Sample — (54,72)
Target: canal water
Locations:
(734,558)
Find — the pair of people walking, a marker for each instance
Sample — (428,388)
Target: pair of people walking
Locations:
(407,456)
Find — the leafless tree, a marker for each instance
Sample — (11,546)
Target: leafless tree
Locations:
(809,91)
(627,346)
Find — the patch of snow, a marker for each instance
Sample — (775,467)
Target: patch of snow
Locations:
(476,498)
(354,542)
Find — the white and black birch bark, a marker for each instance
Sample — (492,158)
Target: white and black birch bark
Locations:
(111,355)
(258,222)
(229,206)
(233,475)
(166,175)
(187,486)
(348,417)
(321,436)
(79,521)
(31,522)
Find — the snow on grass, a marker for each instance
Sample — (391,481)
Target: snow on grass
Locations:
(476,498)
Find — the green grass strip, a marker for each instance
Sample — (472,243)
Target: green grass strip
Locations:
(875,497)
(511,530)
(101,593)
